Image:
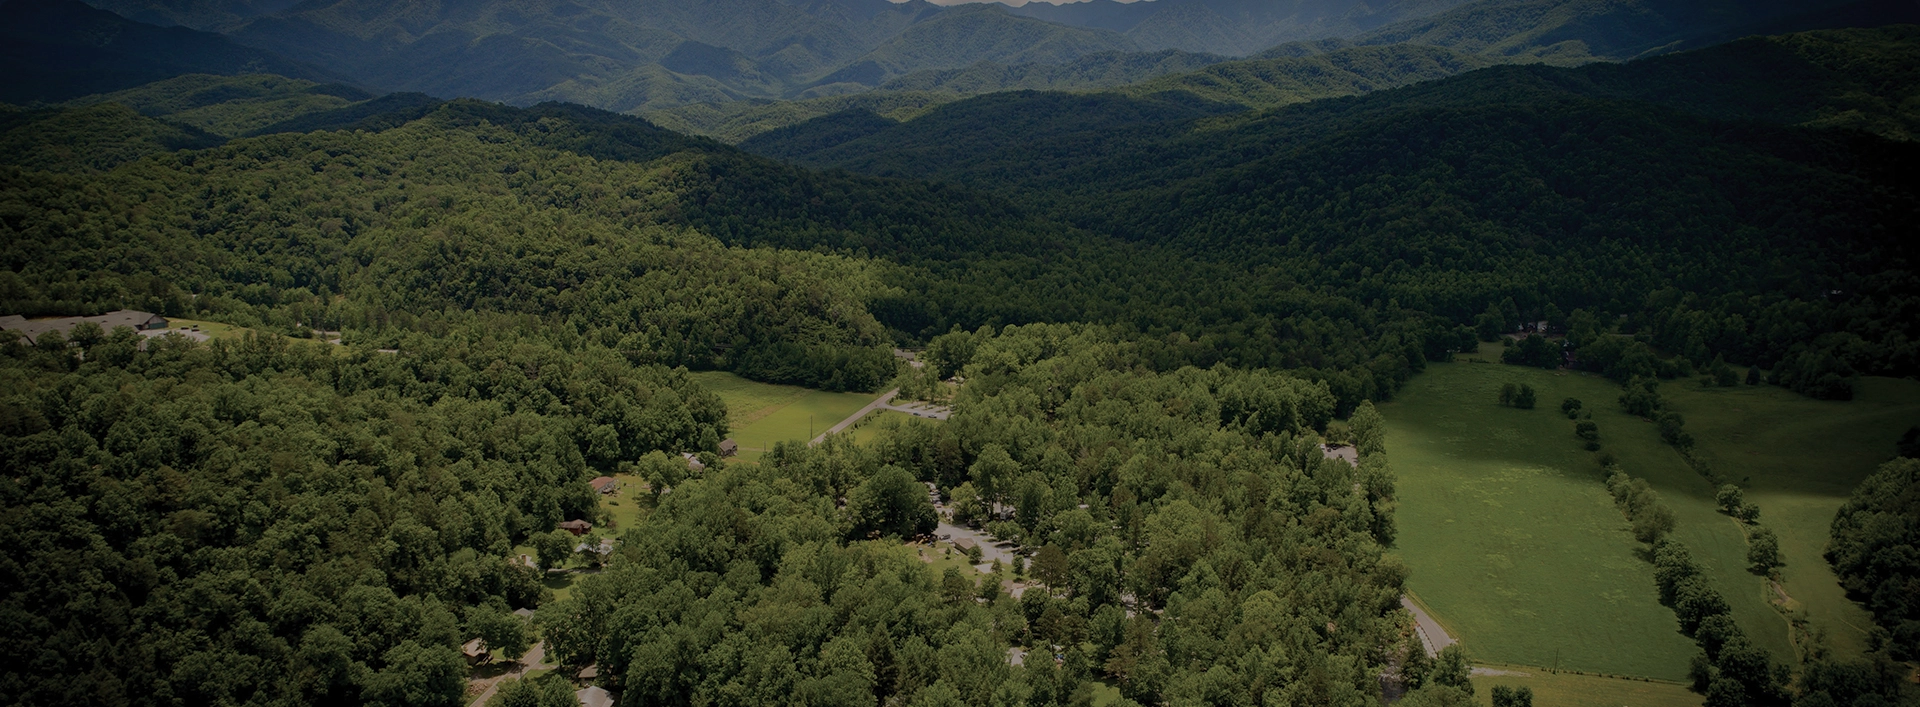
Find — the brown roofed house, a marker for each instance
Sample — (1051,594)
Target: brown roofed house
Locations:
(475,651)
(577,527)
(729,448)
(604,484)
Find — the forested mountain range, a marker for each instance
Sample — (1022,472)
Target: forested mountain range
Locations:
(1584,30)
(1853,78)
(1535,158)
(1054,166)
(1162,295)
(1471,36)
(660,55)
(1267,82)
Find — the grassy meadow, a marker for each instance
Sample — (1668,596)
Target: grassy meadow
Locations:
(213,330)
(1515,544)
(762,414)
(1571,690)
(1799,460)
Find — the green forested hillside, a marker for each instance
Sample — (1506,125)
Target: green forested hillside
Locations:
(231,106)
(1200,498)
(1255,83)
(736,121)
(1565,185)
(469,215)
(95,137)
(1266,83)
(266,523)
(1162,300)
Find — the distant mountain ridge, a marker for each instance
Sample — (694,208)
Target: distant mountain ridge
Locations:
(1861,79)
(1609,29)
(53,50)
(652,53)
(1234,27)
(644,56)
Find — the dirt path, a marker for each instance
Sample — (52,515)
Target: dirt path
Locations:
(1432,636)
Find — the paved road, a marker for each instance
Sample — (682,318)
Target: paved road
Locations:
(990,549)
(1432,636)
(885,402)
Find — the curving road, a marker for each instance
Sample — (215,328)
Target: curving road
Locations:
(1432,636)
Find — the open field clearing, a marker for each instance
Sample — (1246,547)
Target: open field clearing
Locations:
(1799,459)
(763,414)
(213,330)
(1515,544)
(1571,690)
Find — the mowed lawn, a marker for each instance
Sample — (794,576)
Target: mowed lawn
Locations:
(1569,690)
(1799,460)
(213,330)
(763,414)
(1516,546)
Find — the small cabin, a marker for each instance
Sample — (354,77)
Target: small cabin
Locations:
(577,527)
(475,651)
(729,448)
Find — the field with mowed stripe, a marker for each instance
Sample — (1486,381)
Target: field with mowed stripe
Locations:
(761,415)
(1515,544)
(1799,460)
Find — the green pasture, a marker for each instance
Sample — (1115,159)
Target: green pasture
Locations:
(762,414)
(213,330)
(877,421)
(1799,460)
(1515,544)
(1572,690)
(627,505)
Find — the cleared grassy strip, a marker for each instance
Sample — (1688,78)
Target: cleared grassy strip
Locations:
(763,414)
(628,505)
(213,330)
(1799,459)
(1570,690)
(870,426)
(1515,544)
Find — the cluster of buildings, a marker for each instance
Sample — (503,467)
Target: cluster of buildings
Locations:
(32,329)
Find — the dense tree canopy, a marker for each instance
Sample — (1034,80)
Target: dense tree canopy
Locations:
(1198,502)
(278,523)
(1875,537)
